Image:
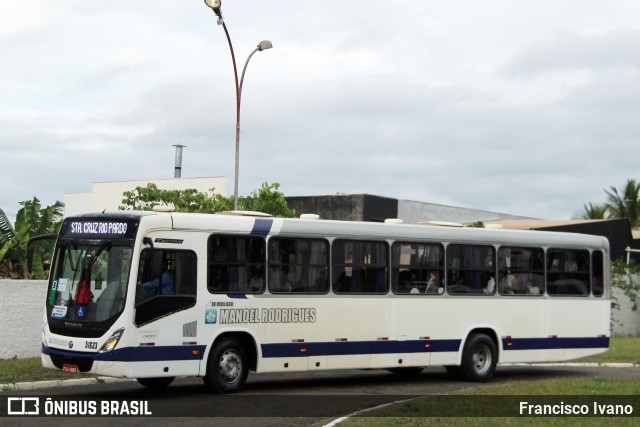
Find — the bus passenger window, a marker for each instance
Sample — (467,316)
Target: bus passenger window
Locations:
(417,268)
(568,272)
(360,267)
(298,265)
(520,271)
(236,264)
(597,273)
(470,269)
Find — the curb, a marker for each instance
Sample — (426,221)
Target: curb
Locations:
(37,385)
(577,365)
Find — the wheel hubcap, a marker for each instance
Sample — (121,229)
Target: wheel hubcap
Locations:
(481,358)
(230,366)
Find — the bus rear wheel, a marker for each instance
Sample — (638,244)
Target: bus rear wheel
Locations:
(227,368)
(479,358)
(160,382)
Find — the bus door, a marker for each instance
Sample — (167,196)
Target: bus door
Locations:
(165,314)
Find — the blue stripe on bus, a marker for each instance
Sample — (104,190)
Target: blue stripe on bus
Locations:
(135,354)
(261,227)
(340,348)
(337,348)
(552,343)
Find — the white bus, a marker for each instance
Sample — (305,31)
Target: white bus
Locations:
(153,296)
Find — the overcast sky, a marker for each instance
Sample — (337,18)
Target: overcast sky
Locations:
(523,107)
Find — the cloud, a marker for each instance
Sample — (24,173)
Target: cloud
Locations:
(496,105)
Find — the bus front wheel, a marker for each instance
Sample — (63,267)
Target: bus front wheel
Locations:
(479,358)
(227,370)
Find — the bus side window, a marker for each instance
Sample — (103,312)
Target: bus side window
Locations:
(164,272)
(360,266)
(298,265)
(417,268)
(568,272)
(471,269)
(520,271)
(166,283)
(597,273)
(236,264)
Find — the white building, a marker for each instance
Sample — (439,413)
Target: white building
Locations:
(108,195)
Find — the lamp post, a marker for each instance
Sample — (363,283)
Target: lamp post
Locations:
(263,45)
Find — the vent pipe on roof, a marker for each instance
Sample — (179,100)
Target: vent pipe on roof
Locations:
(178,170)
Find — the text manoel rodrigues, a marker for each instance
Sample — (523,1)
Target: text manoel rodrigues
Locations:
(267,315)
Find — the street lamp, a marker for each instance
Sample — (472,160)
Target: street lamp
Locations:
(263,45)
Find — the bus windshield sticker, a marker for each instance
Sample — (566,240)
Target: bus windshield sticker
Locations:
(52,294)
(59,312)
(62,285)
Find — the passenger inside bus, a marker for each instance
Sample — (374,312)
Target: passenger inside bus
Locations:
(509,285)
(162,284)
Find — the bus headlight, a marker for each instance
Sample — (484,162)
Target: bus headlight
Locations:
(112,342)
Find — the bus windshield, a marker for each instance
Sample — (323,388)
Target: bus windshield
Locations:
(89,281)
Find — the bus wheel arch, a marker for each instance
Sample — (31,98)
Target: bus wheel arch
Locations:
(230,359)
(479,356)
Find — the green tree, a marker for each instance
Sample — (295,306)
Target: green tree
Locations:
(624,277)
(625,203)
(31,220)
(267,199)
(189,200)
(477,224)
(594,211)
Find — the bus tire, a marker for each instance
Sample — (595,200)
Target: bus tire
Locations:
(160,382)
(227,369)
(479,358)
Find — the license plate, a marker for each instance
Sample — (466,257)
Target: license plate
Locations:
(70,368)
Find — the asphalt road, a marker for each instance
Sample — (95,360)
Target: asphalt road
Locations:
(283,399)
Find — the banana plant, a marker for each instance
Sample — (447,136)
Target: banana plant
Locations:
(31,220)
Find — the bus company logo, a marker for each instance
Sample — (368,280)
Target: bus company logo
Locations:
(70,344)
(23,406)
(211,316)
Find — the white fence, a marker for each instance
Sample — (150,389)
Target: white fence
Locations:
(21,308)
(22,303)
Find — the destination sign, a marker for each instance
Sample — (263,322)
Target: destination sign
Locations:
(118,228)
(98,228)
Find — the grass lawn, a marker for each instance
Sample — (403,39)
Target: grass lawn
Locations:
(28,370)
(621,350)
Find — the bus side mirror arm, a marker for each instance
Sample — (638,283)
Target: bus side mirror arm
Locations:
(147,241)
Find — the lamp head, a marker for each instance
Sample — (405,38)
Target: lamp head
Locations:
(215,6)
(264,45)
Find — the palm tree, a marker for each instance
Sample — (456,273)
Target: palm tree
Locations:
(594,211)
(626,203)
